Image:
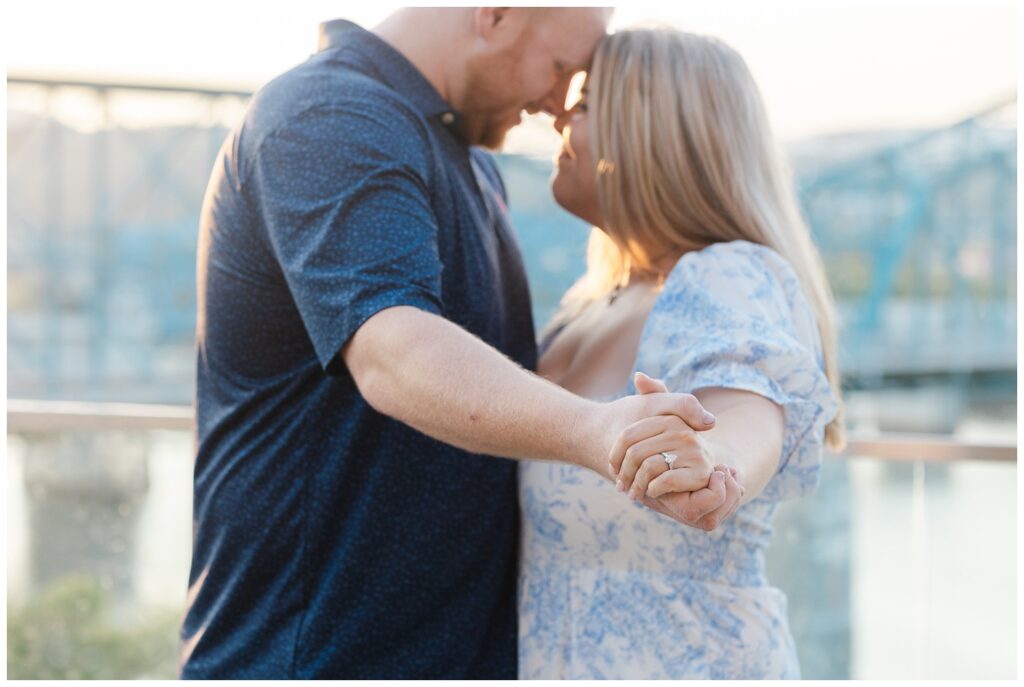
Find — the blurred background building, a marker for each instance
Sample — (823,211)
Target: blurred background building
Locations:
(902,565)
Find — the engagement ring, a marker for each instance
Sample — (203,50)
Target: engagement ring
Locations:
(669,458)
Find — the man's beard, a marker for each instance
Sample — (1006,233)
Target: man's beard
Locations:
(492,132)
(487,113)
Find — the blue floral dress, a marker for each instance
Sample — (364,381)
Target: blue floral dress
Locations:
(611,589)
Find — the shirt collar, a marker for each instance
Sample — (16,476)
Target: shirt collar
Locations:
(392,68)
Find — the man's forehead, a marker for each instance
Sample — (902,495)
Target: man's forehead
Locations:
(574,32)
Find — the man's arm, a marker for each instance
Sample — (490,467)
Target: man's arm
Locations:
(431,374)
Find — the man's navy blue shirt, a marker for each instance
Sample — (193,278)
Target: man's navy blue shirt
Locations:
(331,541)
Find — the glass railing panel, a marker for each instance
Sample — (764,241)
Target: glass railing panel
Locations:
(99,541)
(893,568)
(903,569)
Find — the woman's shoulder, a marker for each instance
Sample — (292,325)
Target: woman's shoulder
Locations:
(739,282)
(734,260)
(737,273)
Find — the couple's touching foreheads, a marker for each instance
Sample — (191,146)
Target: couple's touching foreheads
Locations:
(395,475)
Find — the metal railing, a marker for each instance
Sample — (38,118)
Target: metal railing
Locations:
(40,416)
(907,491)
(155,87)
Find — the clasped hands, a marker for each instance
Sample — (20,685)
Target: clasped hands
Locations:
(695,490)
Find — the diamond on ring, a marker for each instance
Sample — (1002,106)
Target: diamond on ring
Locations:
(669,458)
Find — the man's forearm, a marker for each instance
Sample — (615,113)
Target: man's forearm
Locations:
(434,376)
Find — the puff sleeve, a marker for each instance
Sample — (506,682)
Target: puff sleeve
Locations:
(734,316)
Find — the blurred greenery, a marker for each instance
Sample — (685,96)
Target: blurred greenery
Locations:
(75,630)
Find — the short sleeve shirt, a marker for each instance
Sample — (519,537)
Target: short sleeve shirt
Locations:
(331,541)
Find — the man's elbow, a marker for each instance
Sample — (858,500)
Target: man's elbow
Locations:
(368,376)
(370,356)
(368,382)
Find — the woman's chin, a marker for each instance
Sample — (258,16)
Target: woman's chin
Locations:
(558,190)
(568,203)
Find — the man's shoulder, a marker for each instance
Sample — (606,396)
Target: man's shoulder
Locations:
(333,89)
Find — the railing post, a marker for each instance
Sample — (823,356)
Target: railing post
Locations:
(50,249)
(922,572)
(101,234)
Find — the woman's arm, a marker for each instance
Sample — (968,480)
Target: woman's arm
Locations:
(748,436)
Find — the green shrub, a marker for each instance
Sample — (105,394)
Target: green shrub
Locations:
(74,630)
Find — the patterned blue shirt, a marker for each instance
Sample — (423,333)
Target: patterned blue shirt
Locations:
(331,541)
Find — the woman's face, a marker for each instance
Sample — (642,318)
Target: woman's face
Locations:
(573,185)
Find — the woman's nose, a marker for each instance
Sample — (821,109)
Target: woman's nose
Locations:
(561,120)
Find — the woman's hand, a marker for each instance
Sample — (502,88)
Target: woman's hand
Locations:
(637,457)
(706,508)
(641,469)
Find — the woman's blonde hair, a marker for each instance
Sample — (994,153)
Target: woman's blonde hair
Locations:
(687,160)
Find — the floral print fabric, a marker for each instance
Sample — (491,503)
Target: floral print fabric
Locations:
(611,589)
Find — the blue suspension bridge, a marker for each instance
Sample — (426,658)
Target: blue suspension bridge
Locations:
(917,231)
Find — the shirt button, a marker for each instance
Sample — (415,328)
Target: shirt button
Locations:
(447,118)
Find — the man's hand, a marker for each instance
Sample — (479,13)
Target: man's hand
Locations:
(638,457)
(597,434)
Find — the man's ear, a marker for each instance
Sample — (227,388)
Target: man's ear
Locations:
(498,24)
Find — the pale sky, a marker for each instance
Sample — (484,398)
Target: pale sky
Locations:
(823,67)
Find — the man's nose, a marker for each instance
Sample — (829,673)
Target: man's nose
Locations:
(554,102)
